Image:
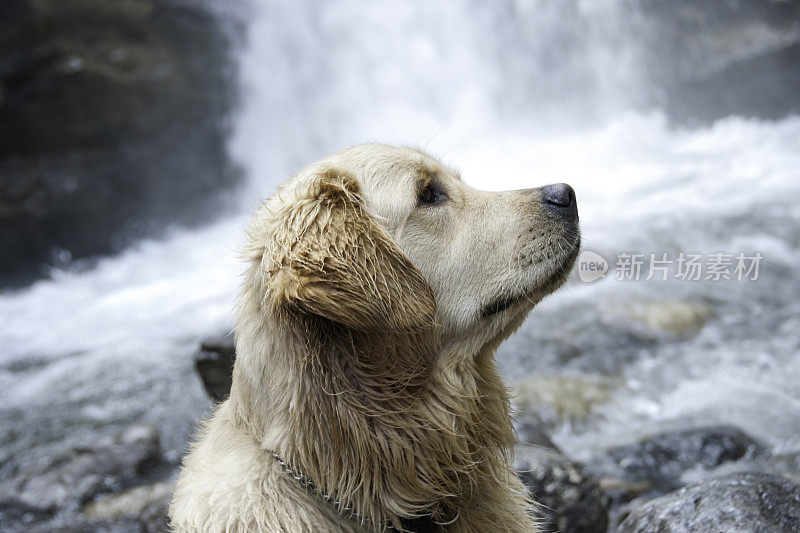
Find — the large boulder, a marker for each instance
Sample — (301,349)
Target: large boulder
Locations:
(113,121)
(749,502)
(662,459)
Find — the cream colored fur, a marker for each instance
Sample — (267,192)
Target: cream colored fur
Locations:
(364,358)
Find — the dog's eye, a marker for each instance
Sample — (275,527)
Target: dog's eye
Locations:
(430,195)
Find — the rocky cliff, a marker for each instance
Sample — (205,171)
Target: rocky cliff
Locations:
(113,122)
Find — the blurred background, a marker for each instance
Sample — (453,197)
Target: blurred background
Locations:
(136,136)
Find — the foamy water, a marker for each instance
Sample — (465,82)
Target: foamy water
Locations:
(88,352)
(115,342)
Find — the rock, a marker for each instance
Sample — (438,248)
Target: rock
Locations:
(677,318)
(19,516)
(214,363)
(570,499)
(713,59)
(655,321)
(113,120)
(531,431)
(787,462)
(738,503)
(622,490)
(108,465)
(147,504)
(557,399)
(155,517)
(740,89)
(662,459)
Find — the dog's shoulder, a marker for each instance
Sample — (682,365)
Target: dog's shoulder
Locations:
(229,483)
(216,475)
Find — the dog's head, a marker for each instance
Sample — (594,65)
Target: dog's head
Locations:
(372,275)
(384,239)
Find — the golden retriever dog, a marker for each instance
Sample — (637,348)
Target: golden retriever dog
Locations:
(365,393)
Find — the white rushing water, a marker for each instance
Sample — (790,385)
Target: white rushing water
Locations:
(515,94)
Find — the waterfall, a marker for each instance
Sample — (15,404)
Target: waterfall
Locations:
(317,77)
(676,122)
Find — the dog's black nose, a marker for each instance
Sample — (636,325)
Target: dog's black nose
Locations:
(559,194)
(560,198)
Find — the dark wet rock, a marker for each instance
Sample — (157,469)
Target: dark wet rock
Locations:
(214,362)
(740,88)
(113,120)
(662,459)
(738,503)
(108,465)
(696,60)
(713,59)
(19,516)
(570,497)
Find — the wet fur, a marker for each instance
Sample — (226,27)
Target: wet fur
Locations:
(343,370)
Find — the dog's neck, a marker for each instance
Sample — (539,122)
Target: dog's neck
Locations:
(388,424)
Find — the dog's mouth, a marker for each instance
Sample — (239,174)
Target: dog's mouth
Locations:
(554,281)
(497,306)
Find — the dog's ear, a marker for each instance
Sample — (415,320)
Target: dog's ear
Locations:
(333,260)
